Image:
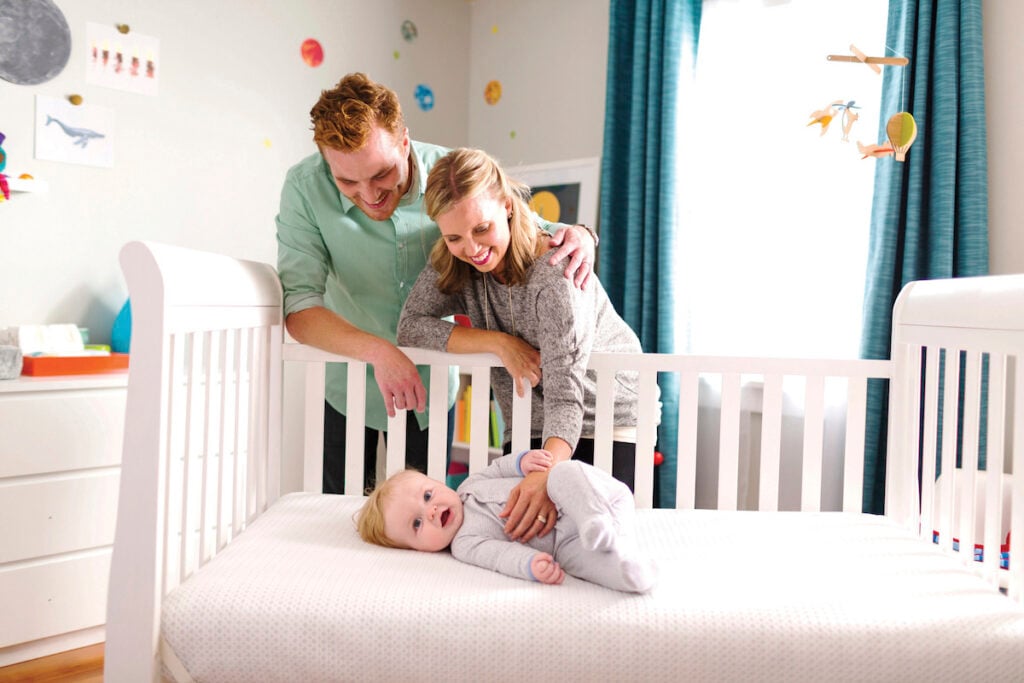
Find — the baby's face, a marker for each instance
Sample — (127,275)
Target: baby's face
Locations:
(421,513)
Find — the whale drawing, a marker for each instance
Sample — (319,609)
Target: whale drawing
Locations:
(81,136)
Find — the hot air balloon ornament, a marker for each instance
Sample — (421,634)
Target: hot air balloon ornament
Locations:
(902,131)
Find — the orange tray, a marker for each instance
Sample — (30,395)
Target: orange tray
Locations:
(73,365)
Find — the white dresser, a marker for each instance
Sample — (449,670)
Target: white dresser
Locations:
(60,454)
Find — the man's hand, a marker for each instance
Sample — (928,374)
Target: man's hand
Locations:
(546,570)
(576,243)
(398,380)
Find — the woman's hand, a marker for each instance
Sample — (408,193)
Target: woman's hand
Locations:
(529,510)
(546,570)
(521,360)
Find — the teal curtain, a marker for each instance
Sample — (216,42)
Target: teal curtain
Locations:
(648,41)
(930,213)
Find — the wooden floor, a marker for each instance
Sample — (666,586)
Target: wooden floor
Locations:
(84,665)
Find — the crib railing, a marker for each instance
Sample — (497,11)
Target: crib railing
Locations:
(811,374)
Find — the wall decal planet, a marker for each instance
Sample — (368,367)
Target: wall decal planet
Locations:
(312,52)
(492,93)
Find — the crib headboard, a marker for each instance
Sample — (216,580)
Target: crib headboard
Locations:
(201,444)
(966,333)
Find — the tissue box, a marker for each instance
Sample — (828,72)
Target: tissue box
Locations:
(10,362)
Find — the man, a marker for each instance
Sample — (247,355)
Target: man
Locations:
(352,238)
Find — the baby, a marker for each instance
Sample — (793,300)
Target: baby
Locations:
(592,539)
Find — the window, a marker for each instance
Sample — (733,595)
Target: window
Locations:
(774,216)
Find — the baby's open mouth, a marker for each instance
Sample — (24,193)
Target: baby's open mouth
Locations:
(444,517)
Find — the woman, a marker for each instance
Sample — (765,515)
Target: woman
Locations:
(489,265)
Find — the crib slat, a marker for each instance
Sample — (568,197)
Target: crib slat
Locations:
(994,464)
(646,434)
(223,480)
(929,469)
(1016,581)
(604,418)
(355,419)
(438,428)
(174,371)
(237,448)
(313,428)
(252,456)
(729,442)
(205,488)
(394,460)
(265,479)
(969,439)
(853,459)
(950,389)
(814,417)
(479,417)
(686,461)
(521,407)
(191,400)
(771,443)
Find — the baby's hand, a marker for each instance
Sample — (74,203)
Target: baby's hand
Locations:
(537,460)
(545,569)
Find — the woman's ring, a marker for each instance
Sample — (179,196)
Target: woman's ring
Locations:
(542,519)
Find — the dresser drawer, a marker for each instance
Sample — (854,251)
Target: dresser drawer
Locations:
(57,514)
(53,596)
(56,431)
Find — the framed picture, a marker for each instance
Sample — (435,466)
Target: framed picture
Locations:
(563,191)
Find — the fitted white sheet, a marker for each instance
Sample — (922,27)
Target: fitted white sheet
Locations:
(743,596)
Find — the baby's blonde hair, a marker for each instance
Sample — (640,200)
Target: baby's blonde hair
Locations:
(370,518)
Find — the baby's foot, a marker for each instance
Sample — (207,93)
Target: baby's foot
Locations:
(640,575)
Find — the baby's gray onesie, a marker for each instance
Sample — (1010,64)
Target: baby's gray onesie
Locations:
(592,539)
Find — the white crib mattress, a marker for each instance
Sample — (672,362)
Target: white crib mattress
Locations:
(742,596)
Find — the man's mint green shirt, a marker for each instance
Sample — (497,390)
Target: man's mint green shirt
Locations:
(332,254)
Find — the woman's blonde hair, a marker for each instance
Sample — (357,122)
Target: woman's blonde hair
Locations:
(370,518)
(344,116)
(466,173)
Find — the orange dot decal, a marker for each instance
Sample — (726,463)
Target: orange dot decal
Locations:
(312,52)
(492,93)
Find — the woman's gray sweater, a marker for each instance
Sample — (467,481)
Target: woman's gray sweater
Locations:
(550,314)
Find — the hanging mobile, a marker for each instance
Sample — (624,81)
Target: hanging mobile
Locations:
(902,131)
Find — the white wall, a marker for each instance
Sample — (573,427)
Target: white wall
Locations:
(191,167)
(550,58)
(1004,101)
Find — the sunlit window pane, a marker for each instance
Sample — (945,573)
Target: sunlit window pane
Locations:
(773,215)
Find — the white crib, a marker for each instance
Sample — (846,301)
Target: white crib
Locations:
(217,576)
